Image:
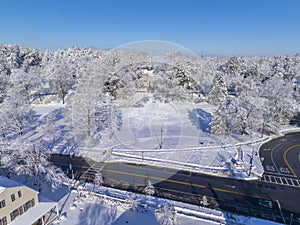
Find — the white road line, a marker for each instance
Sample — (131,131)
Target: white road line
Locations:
(277,174)
(293,183)
(267,178)
(278,181)
(271,179)
(284,170)
(272,158)
(281,181)
(270,168)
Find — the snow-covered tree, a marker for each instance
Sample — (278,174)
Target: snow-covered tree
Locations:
(98,179)
(39,84)
(61,79)
(107,115)
(32,163)
(80,111)
(90,110)
(149,190)
(168,89)
(284,67)
(166,214)
(16,113)
(204,201)
(219,124)
(4,81)
(8,160)
(219,92)
(232,71)
(27,83)
(132,201)
(244,111)
(278,95)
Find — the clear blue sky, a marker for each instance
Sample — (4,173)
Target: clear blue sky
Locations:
(223,27)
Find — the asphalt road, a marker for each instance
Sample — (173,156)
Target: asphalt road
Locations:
(281,156)
(278,201)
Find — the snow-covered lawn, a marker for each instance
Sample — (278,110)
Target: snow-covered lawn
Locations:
(175,132)
(168,134)
(172,134)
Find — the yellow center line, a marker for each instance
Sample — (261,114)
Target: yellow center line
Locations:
(85,167)
(238,193)
(285,159)
(186,183)
(181,182)
(156,178)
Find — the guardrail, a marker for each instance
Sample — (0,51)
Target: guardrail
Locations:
(209,170)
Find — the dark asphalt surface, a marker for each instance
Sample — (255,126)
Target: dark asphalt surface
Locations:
(280,157)
(254,198)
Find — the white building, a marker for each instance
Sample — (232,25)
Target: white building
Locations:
(20,205)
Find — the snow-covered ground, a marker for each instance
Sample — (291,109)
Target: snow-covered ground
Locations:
(170,134)
(166,134)
(114,207)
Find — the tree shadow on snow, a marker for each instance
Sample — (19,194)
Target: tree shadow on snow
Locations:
(134,218)
(97,214)
(200,119)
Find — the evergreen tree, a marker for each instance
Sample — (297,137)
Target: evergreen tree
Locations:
(219,124)
(219,93)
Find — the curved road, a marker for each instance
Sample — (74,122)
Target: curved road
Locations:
(281,156)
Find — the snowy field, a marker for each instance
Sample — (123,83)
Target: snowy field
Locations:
(169,134)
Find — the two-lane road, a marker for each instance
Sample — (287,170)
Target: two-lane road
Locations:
(278,189)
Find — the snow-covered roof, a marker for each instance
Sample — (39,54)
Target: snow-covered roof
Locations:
(34,213)
(8,183)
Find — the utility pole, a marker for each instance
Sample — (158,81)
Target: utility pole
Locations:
(262,129)
(161,134)
(264,117)
(291,218)
(251,162)
(281,211)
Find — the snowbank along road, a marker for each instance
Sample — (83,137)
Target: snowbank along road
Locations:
(274,197)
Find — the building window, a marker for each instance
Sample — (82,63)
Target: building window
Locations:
(14,214)
(13,197)
(21,210)
(32,202)
(3,221)
(19,194)
(28,204)
(2,204)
